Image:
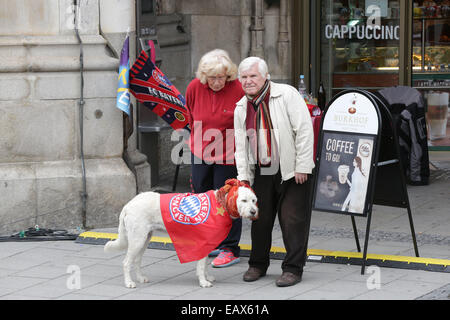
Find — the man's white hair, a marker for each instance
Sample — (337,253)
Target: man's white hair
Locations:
(247,63)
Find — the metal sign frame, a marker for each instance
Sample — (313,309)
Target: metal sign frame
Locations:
(370,198)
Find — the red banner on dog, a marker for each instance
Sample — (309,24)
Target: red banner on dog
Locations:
(196,223)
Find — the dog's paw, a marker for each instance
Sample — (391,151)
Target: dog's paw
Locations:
(205,284)
(130,284)
(143,279)
(210,278)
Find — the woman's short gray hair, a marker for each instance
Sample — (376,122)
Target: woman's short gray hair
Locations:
(247,63)
(216,62)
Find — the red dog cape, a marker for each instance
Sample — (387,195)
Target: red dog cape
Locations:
(196,223)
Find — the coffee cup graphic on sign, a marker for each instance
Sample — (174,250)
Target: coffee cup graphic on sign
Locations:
(343,171)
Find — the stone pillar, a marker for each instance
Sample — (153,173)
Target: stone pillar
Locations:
(257,29)
(117,17)
(283,40)
(40,88)
(165,6)
(246,22)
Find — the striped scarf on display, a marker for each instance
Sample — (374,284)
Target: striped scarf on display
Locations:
(258,117)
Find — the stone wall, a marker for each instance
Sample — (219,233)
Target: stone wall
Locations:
(40,82)
(228,25)
(40,166)
(225,24)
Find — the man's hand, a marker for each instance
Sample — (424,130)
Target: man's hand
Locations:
(300,178)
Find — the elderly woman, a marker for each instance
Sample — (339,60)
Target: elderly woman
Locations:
(211,99)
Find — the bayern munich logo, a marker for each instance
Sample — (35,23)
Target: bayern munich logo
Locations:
(161,79)
(190,209)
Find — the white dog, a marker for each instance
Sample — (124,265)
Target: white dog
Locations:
(143,214)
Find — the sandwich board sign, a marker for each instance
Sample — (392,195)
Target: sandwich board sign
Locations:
(357,141)
(349,146)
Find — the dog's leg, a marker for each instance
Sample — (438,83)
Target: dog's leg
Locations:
(203,278)
(127,265)
(135,246)
(138,260)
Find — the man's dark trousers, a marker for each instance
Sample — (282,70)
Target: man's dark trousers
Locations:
(292,202)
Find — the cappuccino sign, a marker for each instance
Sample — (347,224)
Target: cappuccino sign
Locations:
(349,130)
(362,32)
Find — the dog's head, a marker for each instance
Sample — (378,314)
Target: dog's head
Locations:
(238,199)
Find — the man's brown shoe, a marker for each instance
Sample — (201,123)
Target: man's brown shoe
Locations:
(288,279)
(253,274)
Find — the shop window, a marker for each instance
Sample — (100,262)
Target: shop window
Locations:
(360,44)
(431,66)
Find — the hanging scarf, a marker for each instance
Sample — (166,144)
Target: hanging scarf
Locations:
(258,118)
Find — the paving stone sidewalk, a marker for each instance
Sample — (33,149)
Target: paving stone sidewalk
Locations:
(66,270)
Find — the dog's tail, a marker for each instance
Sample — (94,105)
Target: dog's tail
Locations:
(121,243)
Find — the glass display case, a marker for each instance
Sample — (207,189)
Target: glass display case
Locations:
(431,65)
(360,48)
(360,42)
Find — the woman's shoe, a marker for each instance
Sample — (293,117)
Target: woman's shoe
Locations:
(225,259)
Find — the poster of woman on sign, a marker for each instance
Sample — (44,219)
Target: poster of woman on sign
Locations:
(344,174)
(349,134)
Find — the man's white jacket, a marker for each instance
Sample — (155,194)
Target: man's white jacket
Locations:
(292,130)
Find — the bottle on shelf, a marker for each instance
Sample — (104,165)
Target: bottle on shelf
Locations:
(313,105)
(302,88)
(311,99)
(321,97)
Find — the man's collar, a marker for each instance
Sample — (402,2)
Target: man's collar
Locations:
(275,90)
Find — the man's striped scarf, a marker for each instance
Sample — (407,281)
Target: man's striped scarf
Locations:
(258,117)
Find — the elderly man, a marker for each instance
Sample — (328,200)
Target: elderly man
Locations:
(274,153)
